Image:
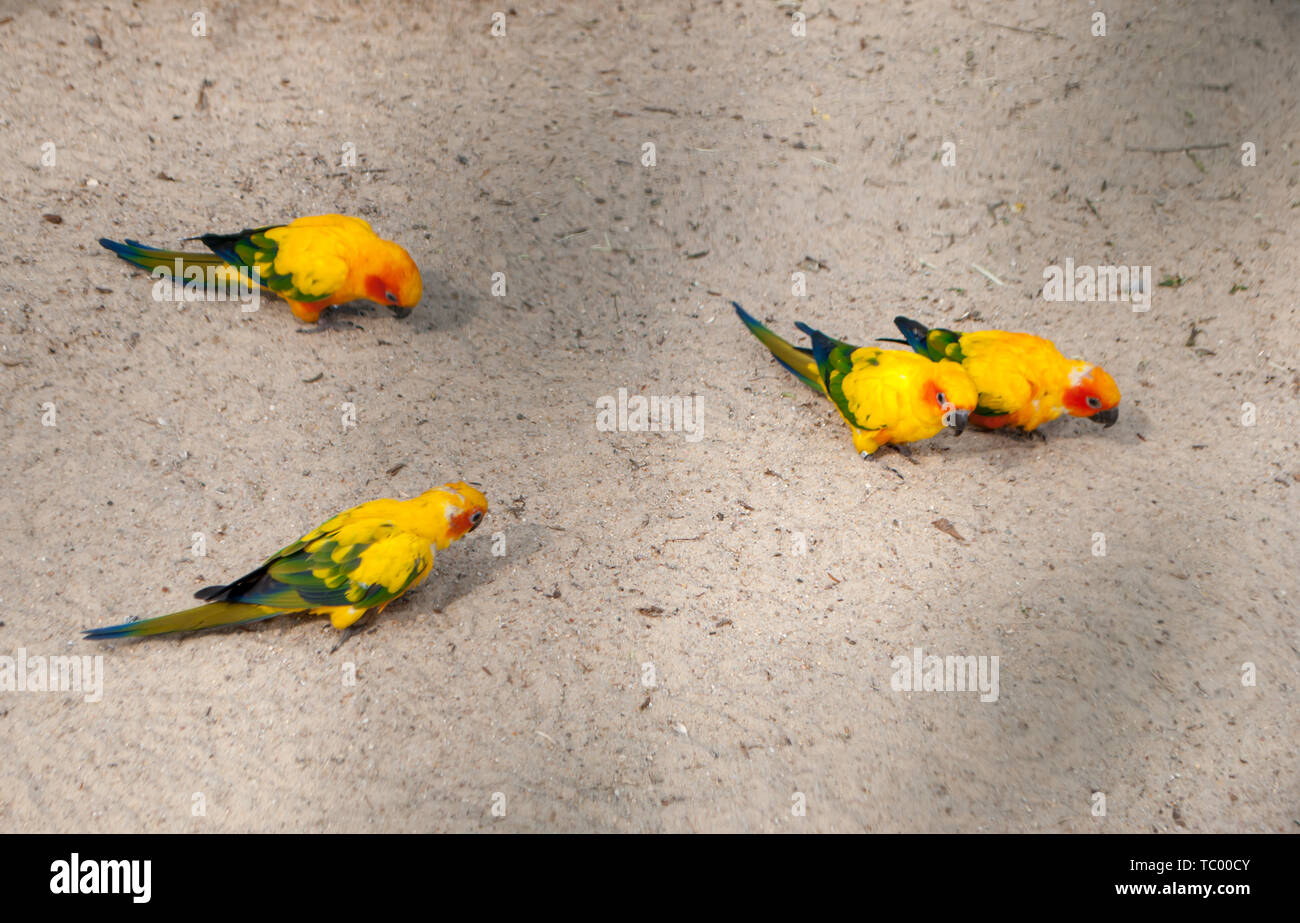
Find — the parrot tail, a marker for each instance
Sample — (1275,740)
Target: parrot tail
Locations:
(137,254)
(914,334)
(822,345)
(799,362)
(934,344)
(209,616)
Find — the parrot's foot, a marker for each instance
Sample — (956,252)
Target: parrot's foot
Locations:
(347,633)
(905,451)
(1026,435)
(330,320)
(875,456)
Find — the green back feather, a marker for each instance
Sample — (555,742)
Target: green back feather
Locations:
(934,344)
(835,361)
(253,249)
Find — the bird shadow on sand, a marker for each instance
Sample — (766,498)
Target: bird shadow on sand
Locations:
(443,307)
(1012,450)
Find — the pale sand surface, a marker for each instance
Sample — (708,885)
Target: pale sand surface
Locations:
(521,674)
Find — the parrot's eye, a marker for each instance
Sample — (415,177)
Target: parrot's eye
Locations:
(941,398)
(1094,403)
(392,299)
(475,517)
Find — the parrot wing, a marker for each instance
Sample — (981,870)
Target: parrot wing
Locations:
(865,400)
(934,344)
(361,564)
(871,399)
(302,264)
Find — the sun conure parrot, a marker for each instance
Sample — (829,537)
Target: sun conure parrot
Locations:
(312,263)
(887,396)
(1023,380)
(354,564)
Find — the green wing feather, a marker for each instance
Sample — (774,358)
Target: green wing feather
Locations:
(253,249)
(834,362)
(250,249)
(318,569)
(934,344)
(944,344)
(320,573)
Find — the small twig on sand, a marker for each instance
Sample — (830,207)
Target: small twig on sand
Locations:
(1046,32)
(986,274)
(1175,150)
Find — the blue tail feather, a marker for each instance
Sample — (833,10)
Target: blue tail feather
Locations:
(914,334)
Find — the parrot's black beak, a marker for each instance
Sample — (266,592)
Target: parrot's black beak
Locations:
(959,418)
(1107,417)
(399,311)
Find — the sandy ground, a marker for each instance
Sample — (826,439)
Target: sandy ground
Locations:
(516,680)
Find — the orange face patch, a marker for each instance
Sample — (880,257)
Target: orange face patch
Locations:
(1091,393)
(931,392)
(464,522)
(377,288)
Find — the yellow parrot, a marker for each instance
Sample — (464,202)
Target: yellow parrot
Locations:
(887,396)
(354,564)
(1024,381)
(312,263)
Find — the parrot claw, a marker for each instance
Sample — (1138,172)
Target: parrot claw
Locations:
(869,456)
(331,319)
(346,635)
(905,451)
(1025,435)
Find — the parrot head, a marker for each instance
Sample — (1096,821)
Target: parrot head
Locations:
(398,283)
(1092,393)
(462,508)
(950,394)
